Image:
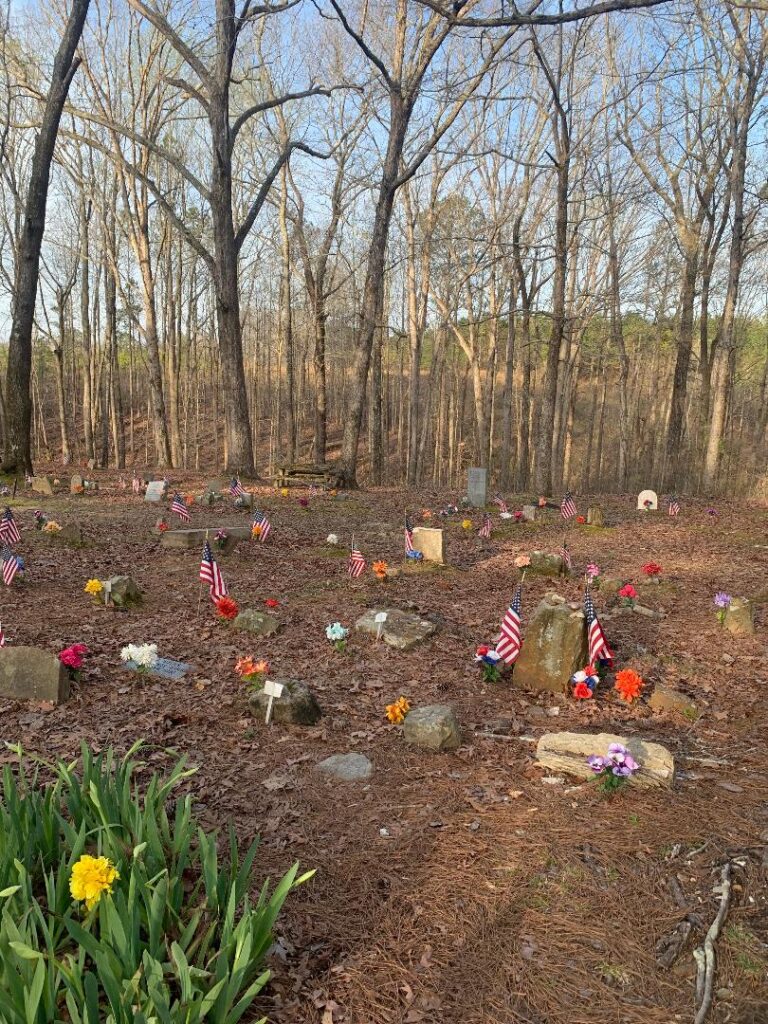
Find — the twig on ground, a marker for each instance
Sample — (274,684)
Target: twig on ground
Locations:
(705,955)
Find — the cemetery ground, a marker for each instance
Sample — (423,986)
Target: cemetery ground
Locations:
(469,886)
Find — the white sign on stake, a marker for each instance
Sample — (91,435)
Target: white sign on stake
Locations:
(272,690)
(107,591)
(379,618)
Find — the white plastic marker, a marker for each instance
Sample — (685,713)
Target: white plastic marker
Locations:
(107,591)
(272,690)
(380,618)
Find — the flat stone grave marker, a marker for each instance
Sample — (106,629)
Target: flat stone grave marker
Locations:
(432,727)
(429,541)
(186,540)
(76,484)
(477,486)
(555,646)
(164,668)
(595,516)
(346,767)
(529,513)
(156,491)
(402,630)
(647,501)
(42,485)
(568,752)
(28,673)
(294,704)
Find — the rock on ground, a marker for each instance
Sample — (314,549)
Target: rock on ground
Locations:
(555,646)
(296,705)
(543,564)
(28,673)
(401,629)
(187,540)
(123,592)
(666,698)
(432,727)
(568,752)
(258,623)
(346,767)
(740,617)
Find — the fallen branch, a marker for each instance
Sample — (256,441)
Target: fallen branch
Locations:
(705,955)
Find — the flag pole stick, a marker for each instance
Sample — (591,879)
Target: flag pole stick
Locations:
(200,595)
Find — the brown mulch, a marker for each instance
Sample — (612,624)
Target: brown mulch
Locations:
(455,889)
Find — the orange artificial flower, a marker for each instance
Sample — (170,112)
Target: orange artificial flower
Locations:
(380,569)
(396,712)
(245,666)
(426,513)
(226,608)
(628,684)
(261,667)
(256,530)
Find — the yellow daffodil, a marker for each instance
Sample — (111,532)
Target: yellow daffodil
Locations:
(94,587)
(92,876)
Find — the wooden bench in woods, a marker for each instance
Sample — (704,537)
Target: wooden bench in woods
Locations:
(303,474)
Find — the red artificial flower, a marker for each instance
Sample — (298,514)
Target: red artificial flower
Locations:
(580,520)
(482,650)
(581,691)
(518,516)
(72,656)
(226,608)
(272,603)
(628,591)
(652,569)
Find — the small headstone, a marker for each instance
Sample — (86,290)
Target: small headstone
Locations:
(41,485)
(666,698)
(346,767)
(296,704)
(568,752)
(595,516)
(215,490)
(543,564)
(647,501)
(123,592)
(27,673)
(156,491)
(165,668)
(71,533)
(555,646)
(429,541)
(477,486)
(91,464)
(433,727)
(76,484)
(529,513)
(258,623)
(402,630)
(740,617)
(191,540)
(244,500)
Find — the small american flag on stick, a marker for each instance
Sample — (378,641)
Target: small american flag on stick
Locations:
(178,506)
(265,527)
(510,641)
(11,565)
(674,506)
(498,500)
(597,643)
(408,535)
(565,554)
(236,489)
(210,573)
(485,529)
(567,506)
(356,563)
(9,531)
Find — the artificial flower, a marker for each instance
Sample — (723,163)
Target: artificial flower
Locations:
(270,602)
(93,587)
(380,569)
(489,659)
(614,768)
(652,569)
(304,502)
(592,570)
(628,684)
(245,666)
(396,712)
(255,530)
(722,600)
(426,513)
(161,525)
(336,632)
(482,650)
(284,491)
(144,656)
(226,608)
(628,592)
(52,527)
(712,512)
(332,539)
(522,561)
(466,524)
(581,691)
(73,656)
(580,520)
(518,516)
(92,876)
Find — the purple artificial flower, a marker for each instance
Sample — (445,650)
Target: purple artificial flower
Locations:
(722,600)
(597,764)
(712,512)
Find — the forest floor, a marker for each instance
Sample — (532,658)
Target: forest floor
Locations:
(452,888)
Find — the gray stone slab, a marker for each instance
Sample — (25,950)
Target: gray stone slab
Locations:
(27,673)
(296,705)
(186,540)
(258,623)
(477,486)
(156,491)
(346,767)
(432,727)
(555,646)
(165,668)
(42,485)
(401,629)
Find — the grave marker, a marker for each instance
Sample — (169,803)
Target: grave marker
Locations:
(272,690)
(647,501)
(429,541)
(27,673)
(76,484)
(380,618)
(156,491)
(477,486)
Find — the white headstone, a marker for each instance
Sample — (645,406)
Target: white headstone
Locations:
(647,501)
(477,486)
(156,490)
(272,690)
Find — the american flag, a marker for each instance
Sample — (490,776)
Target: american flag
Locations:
(260,520)
(9,531)
(11,565)
(210,573)
(179,507)
(356,562)
(510,641)
(485,529)
(674,507)
(565,554)
(598,645)
(236,489)
(408,536)
(498,500)
(136,484)
(312,491)
(567,506)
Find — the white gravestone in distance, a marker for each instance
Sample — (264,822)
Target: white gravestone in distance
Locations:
(647,501)
(477,486)
(156,490)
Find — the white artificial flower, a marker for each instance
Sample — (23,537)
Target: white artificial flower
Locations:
(332,539)
(144,656)
(336,632)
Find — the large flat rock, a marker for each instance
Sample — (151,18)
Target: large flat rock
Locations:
(401,629)
(27,673)
(187,540)
(568,752)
